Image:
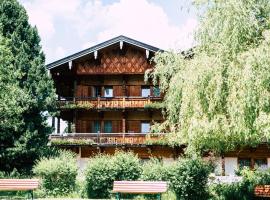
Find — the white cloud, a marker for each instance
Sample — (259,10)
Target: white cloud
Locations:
(93,22)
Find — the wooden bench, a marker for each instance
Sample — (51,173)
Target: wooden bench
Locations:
(19,185)
(262,191)
(139,187)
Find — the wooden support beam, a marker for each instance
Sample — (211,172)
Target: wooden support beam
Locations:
(123,122)
(53,123)
(69,127)
(58,124)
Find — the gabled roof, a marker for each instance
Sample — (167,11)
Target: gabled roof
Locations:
(102,45)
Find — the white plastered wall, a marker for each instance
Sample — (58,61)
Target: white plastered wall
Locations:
(218,163)
(230,165)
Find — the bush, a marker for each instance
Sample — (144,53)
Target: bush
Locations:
(154,170)
(126,166)
(244,189)
(188,179)
(99,176)
(58,174)
(102,170)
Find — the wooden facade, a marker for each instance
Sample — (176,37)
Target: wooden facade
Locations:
(104,98)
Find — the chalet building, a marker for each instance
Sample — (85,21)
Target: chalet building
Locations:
(107,104)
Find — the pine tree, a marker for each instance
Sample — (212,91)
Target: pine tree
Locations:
(23,144)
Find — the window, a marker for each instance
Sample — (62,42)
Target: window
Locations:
(108,126)
(96,127)
(145,127)
(260,163)
(145,91)
(156,91)
(108,92)
(244,162)
(97,91)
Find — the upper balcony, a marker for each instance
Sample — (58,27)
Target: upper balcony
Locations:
(108,103)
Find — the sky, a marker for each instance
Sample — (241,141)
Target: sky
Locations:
(69,26)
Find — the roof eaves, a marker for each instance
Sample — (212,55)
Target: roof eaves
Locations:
(101,46)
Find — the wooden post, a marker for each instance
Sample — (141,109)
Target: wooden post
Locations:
(58,125)
(102,126)
(123,122)
(74,90)
(69,127)
(53,123)
(222,165)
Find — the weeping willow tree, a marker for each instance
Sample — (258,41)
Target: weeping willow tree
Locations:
(220,98)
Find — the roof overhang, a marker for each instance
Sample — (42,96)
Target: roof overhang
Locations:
(120,39)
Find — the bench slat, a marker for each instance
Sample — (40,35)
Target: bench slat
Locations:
(140,187)
(18,184)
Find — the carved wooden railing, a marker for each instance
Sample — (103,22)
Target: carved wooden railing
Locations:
(104,138)
(114,102)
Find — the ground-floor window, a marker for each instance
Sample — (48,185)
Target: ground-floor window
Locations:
(252,163)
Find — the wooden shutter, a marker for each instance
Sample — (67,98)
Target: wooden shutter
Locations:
(117,91)
(134,126)
(117,126)
(134,90)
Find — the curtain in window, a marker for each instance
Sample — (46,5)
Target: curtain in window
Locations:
(108,126)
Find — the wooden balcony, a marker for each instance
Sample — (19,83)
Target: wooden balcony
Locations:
(105,139)
(108,103)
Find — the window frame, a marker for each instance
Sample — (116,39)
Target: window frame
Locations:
(110,88)
(145,87)
(145,122)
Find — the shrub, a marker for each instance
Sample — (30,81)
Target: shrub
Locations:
(102,170)
(99,176)
(188,179)
(58,174)
(154,170)
(126,166)
(244,189)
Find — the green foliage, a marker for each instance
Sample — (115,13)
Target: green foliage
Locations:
(72,106)
(26,90)
(244,189)
(155,170)
(188,179)
(102,170)
(59,142)
(58,173)
(219,99)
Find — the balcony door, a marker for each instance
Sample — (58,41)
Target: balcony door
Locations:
(96,128)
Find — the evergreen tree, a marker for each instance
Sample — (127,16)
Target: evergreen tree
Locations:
(22,144)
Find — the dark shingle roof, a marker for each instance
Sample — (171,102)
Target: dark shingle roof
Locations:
(101,46)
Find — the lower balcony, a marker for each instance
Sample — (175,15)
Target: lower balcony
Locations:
(107,139)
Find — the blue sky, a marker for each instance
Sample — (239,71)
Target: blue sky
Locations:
(68,26)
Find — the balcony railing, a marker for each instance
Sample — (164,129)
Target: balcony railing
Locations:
(110,102)
(78,139)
